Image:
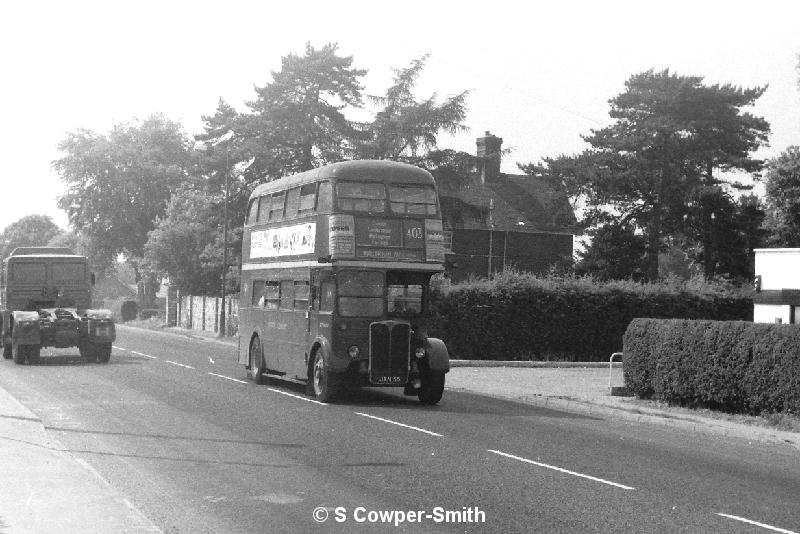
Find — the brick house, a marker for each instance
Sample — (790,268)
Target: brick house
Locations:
(494,220)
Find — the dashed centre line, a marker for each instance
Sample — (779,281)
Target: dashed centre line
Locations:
(228,378)
(399,424)
(756,523)
(180,364)
(561,470)
(297,396)
(143,355)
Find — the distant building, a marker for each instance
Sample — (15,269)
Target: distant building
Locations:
(110,287)
(777,297)
(494,220)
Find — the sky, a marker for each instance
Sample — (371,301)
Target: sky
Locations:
(539,75)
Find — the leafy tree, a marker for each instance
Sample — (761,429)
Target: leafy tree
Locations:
(669,134)
(724,233)
(29,231)
(83,245)
(181,245)
(406,128)
(297,121)
(616,252)
(782,190)
(118,184)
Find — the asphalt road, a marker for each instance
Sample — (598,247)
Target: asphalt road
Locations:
(174,424)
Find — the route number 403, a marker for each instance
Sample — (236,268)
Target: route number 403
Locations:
(415,232)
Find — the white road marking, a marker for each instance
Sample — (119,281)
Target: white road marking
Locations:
(399,424)
(228,378)
(118,348)
(143,355)
(211,360)
(179,364)
(297,396)
(756,523)
(561,470)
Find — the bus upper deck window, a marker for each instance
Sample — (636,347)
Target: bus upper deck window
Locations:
(263,208)
(308,195)
(368,197)
(252,213)
(324,197)
(413,200)
(292,202)
(277,203)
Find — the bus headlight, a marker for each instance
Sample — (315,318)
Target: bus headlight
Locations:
(420,352)
(353,352)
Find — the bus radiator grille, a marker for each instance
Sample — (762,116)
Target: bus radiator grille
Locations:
(389,350)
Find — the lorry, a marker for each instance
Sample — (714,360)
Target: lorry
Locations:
(46,301)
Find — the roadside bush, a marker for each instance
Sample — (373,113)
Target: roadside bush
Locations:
(524,317)
(734,366)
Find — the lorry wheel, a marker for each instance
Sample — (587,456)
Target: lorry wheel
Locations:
(431,387)
(325,383)
(34,351)
(102,352)
(19,353)
(86,351)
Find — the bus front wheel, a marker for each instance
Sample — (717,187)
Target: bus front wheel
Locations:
(325,383)
(257,367)
(431,387)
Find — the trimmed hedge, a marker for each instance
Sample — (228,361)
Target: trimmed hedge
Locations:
(524,317)
(733,366)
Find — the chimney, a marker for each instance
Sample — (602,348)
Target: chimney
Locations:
(489,157)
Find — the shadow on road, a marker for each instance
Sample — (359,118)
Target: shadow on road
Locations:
(173,437)
(456,402)
(76,360)
(180,455)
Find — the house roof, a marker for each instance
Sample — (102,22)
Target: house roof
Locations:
(518,202)
(113,287)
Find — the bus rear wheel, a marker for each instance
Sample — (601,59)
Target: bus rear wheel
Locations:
(325,384)
(257,367)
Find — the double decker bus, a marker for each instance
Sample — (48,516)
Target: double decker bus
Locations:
(336,270)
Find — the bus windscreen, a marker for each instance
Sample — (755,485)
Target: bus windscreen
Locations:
(360,293)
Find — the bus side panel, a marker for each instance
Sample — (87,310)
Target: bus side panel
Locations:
(245,318)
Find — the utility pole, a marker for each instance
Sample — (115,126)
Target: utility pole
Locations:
(491,231)
(222,317)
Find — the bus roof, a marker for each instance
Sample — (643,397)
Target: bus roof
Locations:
(365,170)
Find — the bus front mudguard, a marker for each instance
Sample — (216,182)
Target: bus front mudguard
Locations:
(438,357)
